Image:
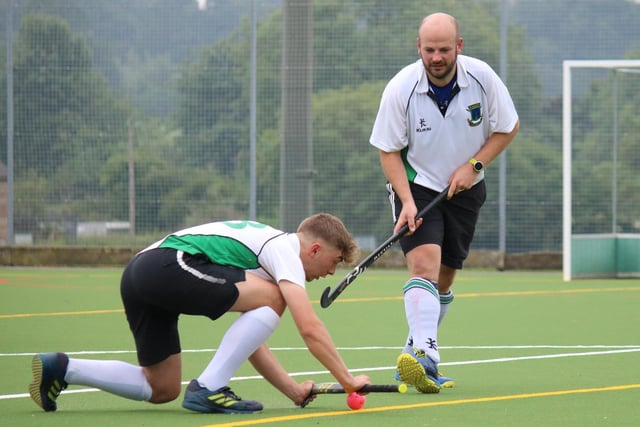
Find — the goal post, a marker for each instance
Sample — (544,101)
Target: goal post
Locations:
(598,254)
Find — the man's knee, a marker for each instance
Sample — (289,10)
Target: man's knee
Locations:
(164,378)
(165,394)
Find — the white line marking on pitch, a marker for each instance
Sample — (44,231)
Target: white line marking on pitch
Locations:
(455,347)
(624,349)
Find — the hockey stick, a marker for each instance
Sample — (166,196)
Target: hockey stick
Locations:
(333,388)
(336,388)
(328,296)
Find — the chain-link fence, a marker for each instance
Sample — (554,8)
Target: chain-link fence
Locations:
(125,120)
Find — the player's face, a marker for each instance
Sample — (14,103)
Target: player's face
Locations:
(439,54)
(324,261)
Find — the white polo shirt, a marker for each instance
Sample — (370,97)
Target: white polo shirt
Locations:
(435,145)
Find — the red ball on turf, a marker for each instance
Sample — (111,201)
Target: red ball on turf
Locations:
(356,400)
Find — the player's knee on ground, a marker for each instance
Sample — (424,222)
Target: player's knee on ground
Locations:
(166,393)
(164,379)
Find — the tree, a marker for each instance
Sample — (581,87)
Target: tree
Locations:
(66,121)
(52,73)
(348,80)
(594,154)
(212,111)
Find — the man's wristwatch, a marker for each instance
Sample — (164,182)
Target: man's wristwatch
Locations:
(478,166)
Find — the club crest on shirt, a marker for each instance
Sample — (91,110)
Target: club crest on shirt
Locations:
(475,114)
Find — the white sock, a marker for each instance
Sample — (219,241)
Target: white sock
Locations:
(445,300)
(408,346)
(119,378)
(240,341)
(422,308)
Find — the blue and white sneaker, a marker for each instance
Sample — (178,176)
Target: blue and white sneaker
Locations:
(419,370)
(48,370)
(445,382)
(223,401)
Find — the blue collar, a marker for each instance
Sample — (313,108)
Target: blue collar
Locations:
(444,93)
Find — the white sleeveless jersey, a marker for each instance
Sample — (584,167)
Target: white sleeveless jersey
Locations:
(254,247)
(433,146)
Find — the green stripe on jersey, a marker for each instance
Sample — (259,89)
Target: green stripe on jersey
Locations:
(411,172)
(219,249)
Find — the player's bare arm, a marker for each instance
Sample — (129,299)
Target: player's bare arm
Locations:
(464,177)
(496,144)
(317,338)
(267,365)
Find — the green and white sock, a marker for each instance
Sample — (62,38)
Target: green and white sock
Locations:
(445,300)
(422,308)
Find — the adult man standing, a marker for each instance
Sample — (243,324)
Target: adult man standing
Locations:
(442,120)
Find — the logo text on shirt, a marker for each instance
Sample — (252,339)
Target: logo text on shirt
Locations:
(423,126)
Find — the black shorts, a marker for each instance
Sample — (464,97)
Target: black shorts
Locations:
(450,224)
(160,284)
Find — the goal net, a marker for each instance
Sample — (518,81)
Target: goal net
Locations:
(601,164)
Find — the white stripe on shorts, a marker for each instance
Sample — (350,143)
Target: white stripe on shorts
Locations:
(197,273)
(392,199)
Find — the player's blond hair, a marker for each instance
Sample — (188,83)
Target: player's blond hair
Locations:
(333,231)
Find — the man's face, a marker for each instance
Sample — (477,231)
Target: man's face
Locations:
(439,50)
(323,261)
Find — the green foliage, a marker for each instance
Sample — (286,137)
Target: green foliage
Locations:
(343,136)
(534,196)
(612,161)
(74,91)
(66,121)
(52,68)
(347,88)
(212,112)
